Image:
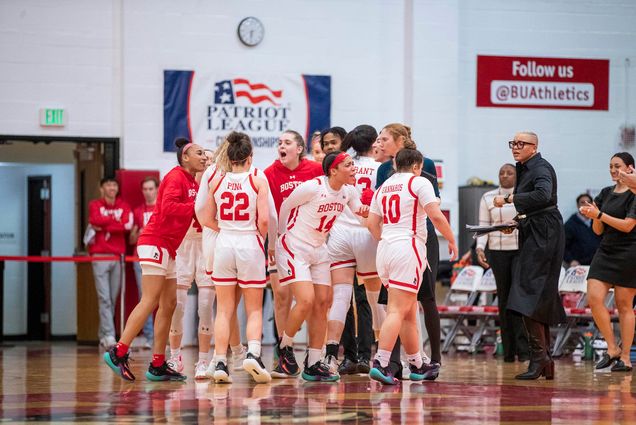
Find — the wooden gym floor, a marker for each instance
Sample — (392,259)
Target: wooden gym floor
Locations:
(67,383)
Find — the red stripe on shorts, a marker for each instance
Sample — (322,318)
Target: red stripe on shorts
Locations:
(293,274)
(339,263)
(407,285)
(282,241)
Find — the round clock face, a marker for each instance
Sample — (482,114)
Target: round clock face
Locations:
(251,31)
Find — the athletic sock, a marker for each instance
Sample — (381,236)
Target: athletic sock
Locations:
(332,349)
(254,347)
(158,359)
(203,356)
(286,341)
(415,359)
(237,349)
(383,356)
(313,356)
(220,358)
(121,349)
(174,352)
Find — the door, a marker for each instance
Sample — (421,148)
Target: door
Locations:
(39,243)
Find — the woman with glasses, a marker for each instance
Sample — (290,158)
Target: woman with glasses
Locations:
(535,290)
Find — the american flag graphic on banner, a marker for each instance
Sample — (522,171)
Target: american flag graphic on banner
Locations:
(226,91)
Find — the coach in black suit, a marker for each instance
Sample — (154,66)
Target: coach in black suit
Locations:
(535,293)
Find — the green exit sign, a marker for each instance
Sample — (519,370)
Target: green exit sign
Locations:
(52,117)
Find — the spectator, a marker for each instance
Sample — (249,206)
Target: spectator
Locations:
(110,217)
(316,150)
(141,216)
(503,256)
(580,240)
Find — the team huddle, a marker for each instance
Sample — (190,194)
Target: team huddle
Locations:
(309,229)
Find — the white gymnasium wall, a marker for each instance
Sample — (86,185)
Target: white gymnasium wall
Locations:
(358,43)
(13,211)
(577,143)
(57,54)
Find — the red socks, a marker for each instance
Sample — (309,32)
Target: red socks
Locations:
(121,349)
(158,359)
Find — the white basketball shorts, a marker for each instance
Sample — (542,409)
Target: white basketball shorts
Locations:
(353,247)
(191,264)
(401,263)
(298,261)
(239,258)
(156,261)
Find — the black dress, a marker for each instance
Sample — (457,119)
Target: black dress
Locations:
(615,259)
(535,290)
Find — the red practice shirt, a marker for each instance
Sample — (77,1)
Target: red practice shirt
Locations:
(112,221)
(173,212)
(282,181)
(142,214)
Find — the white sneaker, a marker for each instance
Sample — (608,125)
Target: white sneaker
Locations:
(221,374)
(210,371)
(110,340)
(176,363)
(332,362)
(406,371)
(237,359)
(200,370)
(103,342)
(254,366)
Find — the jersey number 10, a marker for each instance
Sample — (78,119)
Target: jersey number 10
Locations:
(391,209)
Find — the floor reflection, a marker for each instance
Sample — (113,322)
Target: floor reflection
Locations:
(66,383)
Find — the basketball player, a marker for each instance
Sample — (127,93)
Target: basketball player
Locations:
(398,217)
(304,262)
(352,249)
(157,248)
(239,212)
(284,175)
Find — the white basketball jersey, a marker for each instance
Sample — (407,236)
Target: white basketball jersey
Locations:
(400,202)
(312,221)
(366,171)
(235,198)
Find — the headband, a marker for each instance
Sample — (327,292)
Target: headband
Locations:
(186,147)
(341,157)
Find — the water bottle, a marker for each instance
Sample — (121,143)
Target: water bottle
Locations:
(499,351)
(577,354)
(588,352)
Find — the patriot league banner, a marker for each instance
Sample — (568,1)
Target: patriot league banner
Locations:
(206,107)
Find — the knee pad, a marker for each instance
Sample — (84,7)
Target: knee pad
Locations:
(206,319)
(176,326)
(341,301)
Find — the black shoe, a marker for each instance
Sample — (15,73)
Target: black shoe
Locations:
(606,361)
(363,366)
(382,374)
(620,366)
(427,372)
(287,361)
(163,373)
(537,370)
(119,365)
(255,367)
(433,372)
(318,372)
(348,367)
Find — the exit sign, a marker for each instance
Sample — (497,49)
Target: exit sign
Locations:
(52,117)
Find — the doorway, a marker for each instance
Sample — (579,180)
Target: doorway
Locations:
(39,243)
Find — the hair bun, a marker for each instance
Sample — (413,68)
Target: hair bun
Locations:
(408,130)
(181,142)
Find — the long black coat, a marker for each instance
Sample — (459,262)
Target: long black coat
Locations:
(534,292)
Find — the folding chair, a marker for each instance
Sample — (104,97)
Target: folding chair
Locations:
(573,282)
(461,295)
(486,313)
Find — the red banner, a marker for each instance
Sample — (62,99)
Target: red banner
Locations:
(531,82)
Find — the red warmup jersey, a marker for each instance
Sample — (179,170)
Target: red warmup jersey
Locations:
(282,181)
(112,221)
(173,211)
(142,215)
